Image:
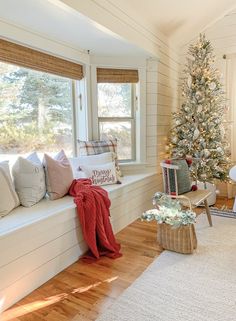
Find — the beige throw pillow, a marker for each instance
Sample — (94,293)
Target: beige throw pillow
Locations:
(59,175)
(8,197)
(29,179)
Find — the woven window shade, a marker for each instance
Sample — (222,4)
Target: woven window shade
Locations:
(25,57)
(107,75)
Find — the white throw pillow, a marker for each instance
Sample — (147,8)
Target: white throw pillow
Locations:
(8,197)
(29,179)
(101,174)
(100,159)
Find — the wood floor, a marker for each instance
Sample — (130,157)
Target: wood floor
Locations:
(83,291)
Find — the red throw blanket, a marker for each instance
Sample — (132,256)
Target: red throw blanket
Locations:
(93,210)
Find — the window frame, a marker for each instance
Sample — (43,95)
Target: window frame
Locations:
(131,119)
(140,128)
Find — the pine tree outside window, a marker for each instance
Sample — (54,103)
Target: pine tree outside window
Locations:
(36,112)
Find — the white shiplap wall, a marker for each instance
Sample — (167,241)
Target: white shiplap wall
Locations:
(223,37)
(162,100)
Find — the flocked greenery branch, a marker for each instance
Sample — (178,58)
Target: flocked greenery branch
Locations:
(168,211)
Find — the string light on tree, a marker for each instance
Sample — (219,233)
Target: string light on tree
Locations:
(198,133)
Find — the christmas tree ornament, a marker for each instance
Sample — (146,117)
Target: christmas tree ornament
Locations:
(206,153)
(219,149)
(196,134)
(198,95)
(174,139)
(212,85)
(189,81)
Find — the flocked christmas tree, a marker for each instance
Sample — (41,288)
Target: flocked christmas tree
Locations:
(198,132)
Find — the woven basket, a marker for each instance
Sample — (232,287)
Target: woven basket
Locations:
(182,239)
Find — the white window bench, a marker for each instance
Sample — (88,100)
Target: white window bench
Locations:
(37,243)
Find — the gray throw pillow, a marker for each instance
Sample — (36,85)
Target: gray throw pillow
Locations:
(183,176)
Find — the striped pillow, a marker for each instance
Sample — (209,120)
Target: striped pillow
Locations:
(8,197)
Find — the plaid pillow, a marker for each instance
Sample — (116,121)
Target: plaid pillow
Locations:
(94,147)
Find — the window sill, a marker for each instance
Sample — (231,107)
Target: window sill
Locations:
(132,167)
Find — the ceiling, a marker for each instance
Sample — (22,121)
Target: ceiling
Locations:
(178,20)
(56,23)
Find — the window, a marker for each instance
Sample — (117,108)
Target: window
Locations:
(116,116)
(36,111)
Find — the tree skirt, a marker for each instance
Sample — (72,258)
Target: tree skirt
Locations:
(178,287)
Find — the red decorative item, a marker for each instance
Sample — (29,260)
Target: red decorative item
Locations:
(173,193)
(93,211)
(189,161)
(168,161)
(194,188)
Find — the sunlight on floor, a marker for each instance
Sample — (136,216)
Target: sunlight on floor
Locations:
(87,288)
(39,304)
(1,304)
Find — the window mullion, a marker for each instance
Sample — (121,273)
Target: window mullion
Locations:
(74,116)
(114,119)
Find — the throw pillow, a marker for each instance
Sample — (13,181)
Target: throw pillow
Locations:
(59,175)
(183,176)
(29,179)
(101,174)
(98,159)
(8,196)
(95,147)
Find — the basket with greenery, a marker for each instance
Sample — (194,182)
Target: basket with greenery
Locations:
(176,230)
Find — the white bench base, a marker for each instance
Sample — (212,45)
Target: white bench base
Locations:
(37,243)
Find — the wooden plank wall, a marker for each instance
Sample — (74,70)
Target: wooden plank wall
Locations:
(162,100)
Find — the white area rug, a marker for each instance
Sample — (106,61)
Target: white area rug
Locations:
(176,287)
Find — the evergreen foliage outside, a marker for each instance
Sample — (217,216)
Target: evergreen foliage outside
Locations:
(36,111)
(198,132)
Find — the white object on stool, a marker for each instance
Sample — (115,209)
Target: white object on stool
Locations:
(212,188)
(232,175)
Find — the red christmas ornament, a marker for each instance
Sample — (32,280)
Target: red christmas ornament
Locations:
(194,188)
(189,161)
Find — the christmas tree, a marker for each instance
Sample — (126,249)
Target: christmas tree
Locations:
(198,133)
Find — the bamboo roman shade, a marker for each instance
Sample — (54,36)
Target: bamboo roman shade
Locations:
(25,57)
(109,75)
